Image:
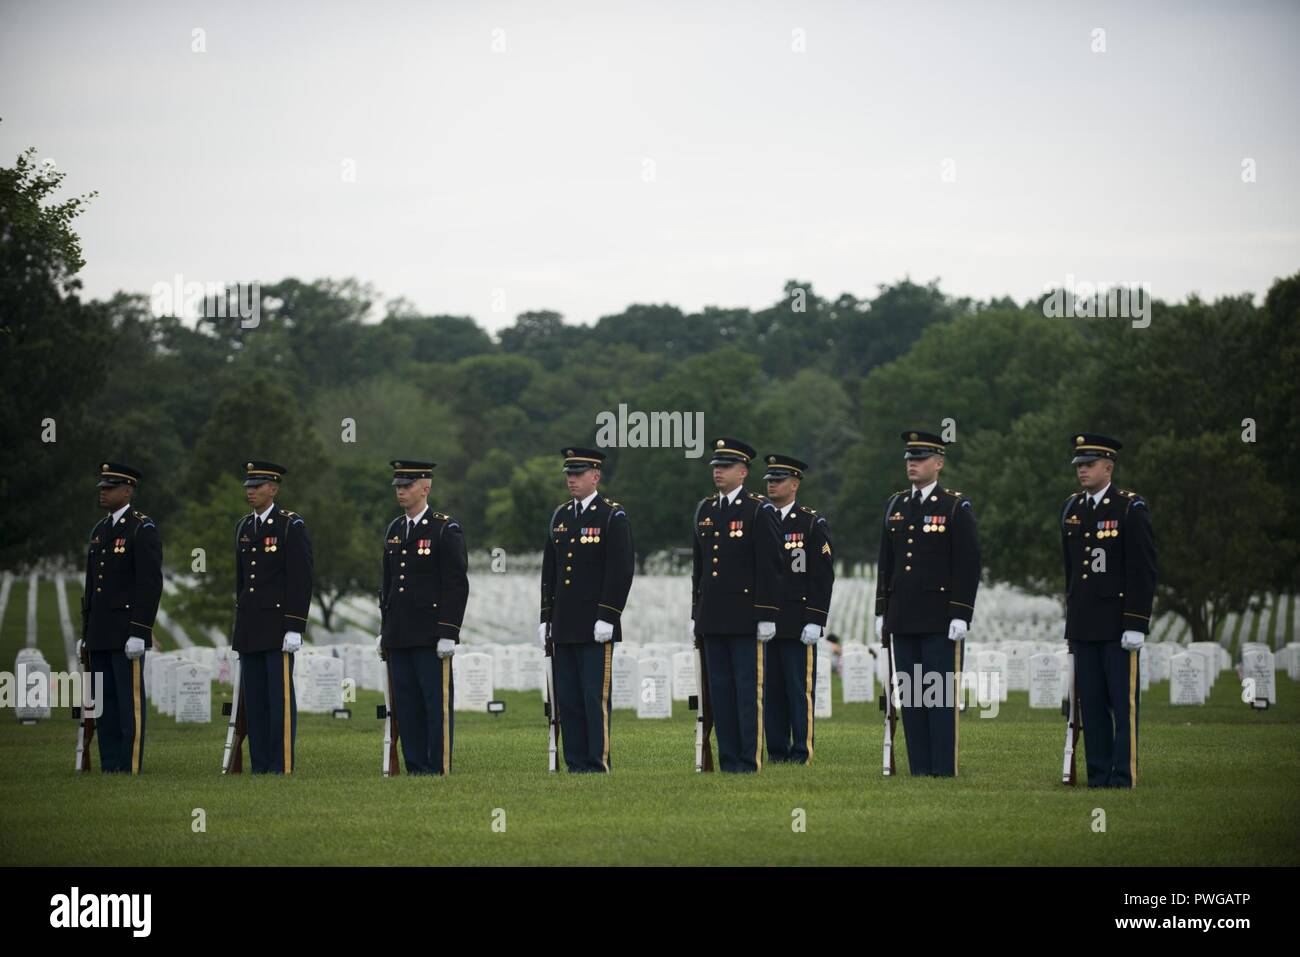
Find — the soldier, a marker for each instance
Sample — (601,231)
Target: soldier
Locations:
(123,587)
(1110,578)
(735,596)
(422,604)
(808,576)
(589,537)
(273,583)
(928,574)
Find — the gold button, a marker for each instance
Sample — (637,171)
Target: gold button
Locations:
(570,555)
(403,551)
(909,541)
(1085,563)
(941,588)
(101,576)
(401,589)
(715,534)
(911,527)
(99,589)
(568,568)
(1121,594)
(571,541)
(1085,576)
(715,546)
(909,554)
(715,574)
(401,577)
(251,588)
(907,568)
(1087,534)
(715,559)
(566,581)
(254,575)
(401,564)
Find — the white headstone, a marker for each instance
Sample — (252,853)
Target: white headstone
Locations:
(683,675)
(193,693)
(1187,678)
(1017,673)
(503,663)
(857,675)
(32,685)
(622,680)
(1157,655)
(530,668)
(822,695)
(654,698)
(991,676)
(1044,673)
(1258,667)
(474,681)
(326,680)
(1144,669)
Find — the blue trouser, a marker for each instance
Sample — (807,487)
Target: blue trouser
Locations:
(120,725)
(928,666)
(270,710)
(735,666)
(1107,682)
(790,686)
(582,688)
(424,696)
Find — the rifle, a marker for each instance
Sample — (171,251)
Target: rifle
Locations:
(388,714)
(699,703)
(86,731)
(552,710)
(889,705)
(232,761)
(1073,724)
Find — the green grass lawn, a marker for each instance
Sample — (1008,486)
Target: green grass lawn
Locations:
(1217,785)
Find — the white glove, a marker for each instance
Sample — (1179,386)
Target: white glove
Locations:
(541,635)
(956,630)
(810,634)
(604,631)
(880,627)
(446,647)
(692,629)
(766,629)
(292,641)
(379,645)
(1131,640)
(81,647)
(134,648)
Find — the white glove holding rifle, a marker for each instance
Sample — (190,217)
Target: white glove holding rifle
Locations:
(134,648)
(541,635)
(766,629)
(811,634)
(1131,640)
(604,631)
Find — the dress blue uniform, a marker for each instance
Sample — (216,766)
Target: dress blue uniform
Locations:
(928,575)
(1108,546)
(273,585)
(422,601)
(123,586)
(808,575)
(587,570)
(736,584)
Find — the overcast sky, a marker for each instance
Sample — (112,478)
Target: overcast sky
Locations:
(584,156)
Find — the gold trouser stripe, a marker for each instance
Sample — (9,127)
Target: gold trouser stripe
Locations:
(1132,718)
(604,702)
(758,749)
(136,705)
(446,715)
(288,716)
(808,697)
(956,708)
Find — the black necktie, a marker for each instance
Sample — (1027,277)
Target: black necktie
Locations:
(577,508)
(916,500)
(257,525)
(410,524)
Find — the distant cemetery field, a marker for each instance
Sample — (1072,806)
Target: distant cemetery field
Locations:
(1218,784)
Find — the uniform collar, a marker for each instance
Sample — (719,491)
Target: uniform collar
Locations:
(787,510)
(416,520)
(588,500)
(926,492)
(1096,499)
(731,498)
(266,513)
(117,516)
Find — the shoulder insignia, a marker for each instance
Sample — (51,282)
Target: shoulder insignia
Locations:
(806,510)
(440,516)
(954,492)
(754,496)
